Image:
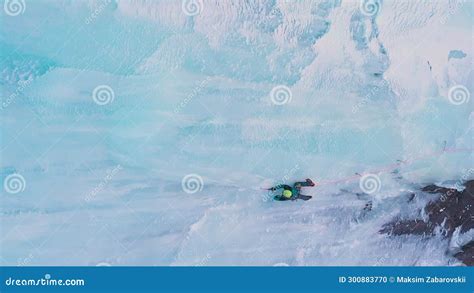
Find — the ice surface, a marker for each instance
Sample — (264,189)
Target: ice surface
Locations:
(370,93)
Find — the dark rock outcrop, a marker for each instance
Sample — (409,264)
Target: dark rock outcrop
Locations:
(466,255)
(452,210)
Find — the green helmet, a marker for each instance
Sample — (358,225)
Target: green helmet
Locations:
(287,193)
